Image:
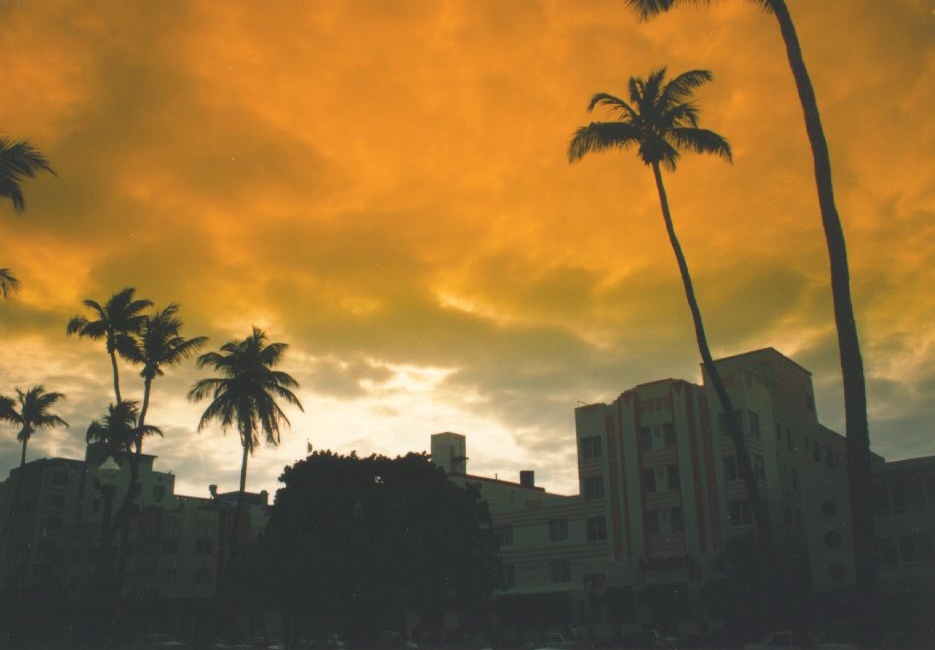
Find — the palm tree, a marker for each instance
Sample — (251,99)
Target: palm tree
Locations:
(118,319)
(245,395)
(857,430)
(661,122)
(119,429)
(33,414)
(19,160)
(158,345)
(8,283)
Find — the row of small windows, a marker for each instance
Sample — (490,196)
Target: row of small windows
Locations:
(659,436)
(660,479)
(672,518)
(595,531)
(732,467)
(753,420)
(906,551)
(906,496)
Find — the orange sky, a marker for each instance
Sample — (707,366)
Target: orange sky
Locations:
(384,186)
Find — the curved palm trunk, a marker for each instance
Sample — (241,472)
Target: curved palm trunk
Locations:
(745,467)
(860,476)
(113,364)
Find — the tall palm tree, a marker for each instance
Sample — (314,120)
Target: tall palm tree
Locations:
(860,474)
(245,395)
(661,122)
(9,283)
(19,160)
(117,319)
(33,413)
(157,346)
(119,429)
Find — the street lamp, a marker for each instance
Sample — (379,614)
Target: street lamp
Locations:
(108,473)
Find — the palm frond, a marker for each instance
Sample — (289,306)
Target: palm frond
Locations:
(601,136)
(701,141)
(9,284)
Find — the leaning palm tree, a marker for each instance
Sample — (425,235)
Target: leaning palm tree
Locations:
(19,160)
(860,474)
(32,413)
(119,429)
(157,346)
(660,121)
(117,319)
(245,395)
(9,283)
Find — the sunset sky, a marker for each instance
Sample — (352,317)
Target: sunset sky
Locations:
(384,186)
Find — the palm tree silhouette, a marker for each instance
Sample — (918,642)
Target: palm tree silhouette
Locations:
(19,160)
(661,121)
(9,283)
(33,414)
(158,345)
(859,472)
(119,429)
(117,319)
(245,395)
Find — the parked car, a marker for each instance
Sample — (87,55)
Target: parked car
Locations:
(789,642)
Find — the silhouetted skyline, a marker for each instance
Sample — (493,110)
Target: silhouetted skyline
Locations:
(386,190)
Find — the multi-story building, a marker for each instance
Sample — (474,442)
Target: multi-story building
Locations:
(660,494)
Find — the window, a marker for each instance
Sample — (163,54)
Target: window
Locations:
(507,576)
(778,432)
(646,435)
(168,576)
(159,492)
(561,571)
(908,497)
(202,576)
(170,546)
(649,479)
(54,500)
(558,530)
(916,549)
(596,529)
(651,523)
(889,558)
(739,513)
(676,522)
(730,468)
(591,447)
(668,433)
(759,466)
(754,424)
(722,423)
(204,546)
(593,488)
(503,534)
(674,480)
(882,500)
(789,445)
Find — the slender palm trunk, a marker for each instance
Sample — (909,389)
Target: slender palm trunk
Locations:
(113,363)
(744,465)
(860,475)
(23,458)
(147,389)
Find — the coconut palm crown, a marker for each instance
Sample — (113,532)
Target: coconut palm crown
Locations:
(19,160)
(33,413)
(245,395)
(118,429)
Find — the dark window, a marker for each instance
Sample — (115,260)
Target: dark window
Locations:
(202,576)
(561,571)
(507,576)
(778,432)
(591,447)
(651,523)
(504,534)
(754,424)
(646,435)
(789,443)
(759,467)
(889,558)
(168,576)
(730,468)
(915,549)
(739,513)
(676,522)
(170,546)
(649,479)
(674,480)
(54,500)
(159,492)
(882,499)
(593,488)
(558,530)
(722,423)
(596,529)
(204,546)
(668,433)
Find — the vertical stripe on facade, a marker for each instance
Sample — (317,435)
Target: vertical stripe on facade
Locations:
(614,487)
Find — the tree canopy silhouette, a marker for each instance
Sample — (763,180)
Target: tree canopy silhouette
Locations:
(119,429)
(660,121)
(9,283)
(19,161)
(33,413)
(857,429)
(355,542)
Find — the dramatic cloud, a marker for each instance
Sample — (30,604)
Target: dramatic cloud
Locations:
(384,186)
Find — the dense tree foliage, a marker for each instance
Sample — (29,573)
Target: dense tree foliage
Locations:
(356,542)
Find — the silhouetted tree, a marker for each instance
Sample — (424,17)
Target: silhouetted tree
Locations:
(119,429)
(117,320)
(32,414)
(245,395)
(356,542)
(661,121)
(19,160)
(860,473)
(9,283)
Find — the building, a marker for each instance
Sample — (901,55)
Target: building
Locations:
(660,495)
